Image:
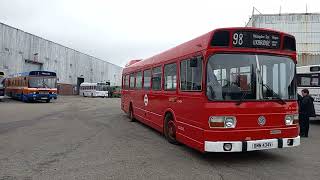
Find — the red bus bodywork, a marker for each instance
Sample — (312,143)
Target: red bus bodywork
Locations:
(191,110)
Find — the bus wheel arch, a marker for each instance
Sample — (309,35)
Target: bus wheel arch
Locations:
(169,128)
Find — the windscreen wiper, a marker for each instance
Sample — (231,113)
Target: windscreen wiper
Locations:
(274,94)
(242,98)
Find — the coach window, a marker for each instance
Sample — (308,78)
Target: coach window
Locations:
(156,78)
(139,80)
(170,76)
(147,79)
(191,74)
(132,81)
(126,84)
(123,81)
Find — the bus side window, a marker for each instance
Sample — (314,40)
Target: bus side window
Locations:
(191,74)
(147,79)
(127,82)
(156,78)
(170,76)
(123,81)
(132,81)
(139,80)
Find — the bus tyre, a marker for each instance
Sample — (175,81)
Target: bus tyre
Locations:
(170,129)
(131,115)
(24,99)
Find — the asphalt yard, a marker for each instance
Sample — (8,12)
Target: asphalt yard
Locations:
(91,138)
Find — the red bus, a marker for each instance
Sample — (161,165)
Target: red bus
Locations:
(230,90)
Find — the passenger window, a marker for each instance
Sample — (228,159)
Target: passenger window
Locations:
(132,81)
(147,79)
(156,78)
(126,85)
(170,76)
(191,74)
(139,80)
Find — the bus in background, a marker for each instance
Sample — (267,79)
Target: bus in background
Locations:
(32,86)
(308,77)
(94,89)
(230,90)
(1,85)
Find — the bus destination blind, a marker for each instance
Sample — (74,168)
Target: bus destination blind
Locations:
(251,39)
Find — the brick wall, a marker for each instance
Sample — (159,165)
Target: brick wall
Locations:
(66,89)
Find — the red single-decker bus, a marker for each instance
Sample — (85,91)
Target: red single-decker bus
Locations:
(230,90)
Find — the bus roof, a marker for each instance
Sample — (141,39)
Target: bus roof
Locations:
(92,84)
(308,69)
(198,44)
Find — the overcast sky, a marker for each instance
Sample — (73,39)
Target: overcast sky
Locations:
(120,30)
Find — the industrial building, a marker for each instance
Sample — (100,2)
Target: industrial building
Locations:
(305,27)
(21,51)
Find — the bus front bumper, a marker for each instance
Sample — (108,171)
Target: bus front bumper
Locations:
(41,96)
(254,145)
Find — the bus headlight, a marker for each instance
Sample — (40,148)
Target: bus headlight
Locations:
(222,122)
(291,119)
(230,122)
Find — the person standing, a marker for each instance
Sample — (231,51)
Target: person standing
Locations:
(306,110)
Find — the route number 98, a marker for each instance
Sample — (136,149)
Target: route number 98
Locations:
(237,39)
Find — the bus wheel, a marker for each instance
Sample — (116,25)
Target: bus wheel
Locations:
(23,99)
(131,115)
(170,129)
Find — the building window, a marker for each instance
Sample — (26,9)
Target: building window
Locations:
(156,78)
(139,80)
(191,74)
(132,81)
(147,79)
(170,76)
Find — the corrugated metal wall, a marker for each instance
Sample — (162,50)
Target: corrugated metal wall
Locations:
(17,47)
(305,27)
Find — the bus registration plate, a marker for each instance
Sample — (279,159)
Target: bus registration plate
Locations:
(262,145)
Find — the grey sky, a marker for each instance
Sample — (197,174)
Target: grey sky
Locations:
(120,30)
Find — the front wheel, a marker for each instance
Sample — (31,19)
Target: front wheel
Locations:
(170,129)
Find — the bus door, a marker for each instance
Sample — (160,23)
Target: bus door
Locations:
(153,99)
(138,97)
(189,100)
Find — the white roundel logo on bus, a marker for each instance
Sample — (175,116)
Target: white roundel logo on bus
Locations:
(145,100)
(262,120)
